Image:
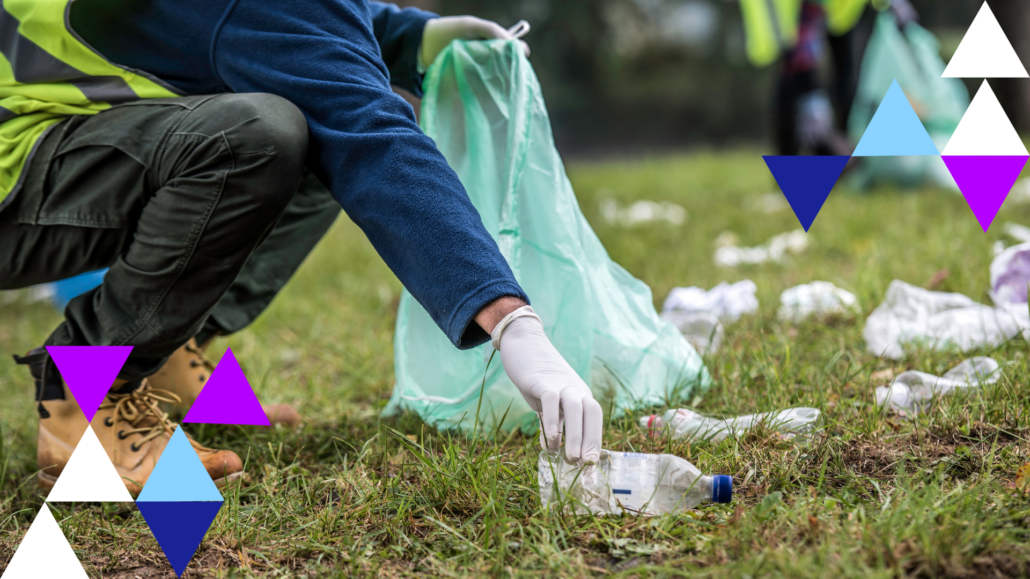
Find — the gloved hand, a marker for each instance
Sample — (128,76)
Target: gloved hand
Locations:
(439,32)
(550,386)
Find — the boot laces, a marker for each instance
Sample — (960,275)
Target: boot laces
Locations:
(142,403)
(201,357)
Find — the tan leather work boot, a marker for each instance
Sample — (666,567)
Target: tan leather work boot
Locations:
(133,431)
(186,372)
(131,428)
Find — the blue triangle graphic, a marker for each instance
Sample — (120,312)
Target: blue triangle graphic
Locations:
(179,475)
(179,528)
(806,182)
(895,130)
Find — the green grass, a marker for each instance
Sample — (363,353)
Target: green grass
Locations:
(351,494)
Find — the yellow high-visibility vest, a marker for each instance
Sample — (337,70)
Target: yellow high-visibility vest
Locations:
(48,73)
(843,15)
(771,26)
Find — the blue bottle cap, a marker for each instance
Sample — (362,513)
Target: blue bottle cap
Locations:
(722,488)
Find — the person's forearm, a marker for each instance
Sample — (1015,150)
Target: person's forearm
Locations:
(494,312)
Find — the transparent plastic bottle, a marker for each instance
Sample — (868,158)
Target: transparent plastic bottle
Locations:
(629,482)
(685,423)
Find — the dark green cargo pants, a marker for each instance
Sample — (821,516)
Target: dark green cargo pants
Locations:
(200,206)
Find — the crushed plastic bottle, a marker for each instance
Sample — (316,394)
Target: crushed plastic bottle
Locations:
(628,482)
(685,423)
(913,391)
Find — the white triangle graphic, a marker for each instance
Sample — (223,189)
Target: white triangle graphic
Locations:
(89,476)
(985,129)
(985,51)
(44,553)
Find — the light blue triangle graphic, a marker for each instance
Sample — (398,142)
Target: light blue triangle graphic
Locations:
(179,475)
(895,130)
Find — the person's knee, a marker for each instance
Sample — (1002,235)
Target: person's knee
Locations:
(268,138)
(274,123)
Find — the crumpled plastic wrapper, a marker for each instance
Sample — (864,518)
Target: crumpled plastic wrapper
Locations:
(912,391)
(818,298)
(940,321)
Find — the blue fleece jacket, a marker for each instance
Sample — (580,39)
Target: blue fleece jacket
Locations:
(335,60)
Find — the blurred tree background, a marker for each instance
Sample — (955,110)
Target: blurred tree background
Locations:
(647,75)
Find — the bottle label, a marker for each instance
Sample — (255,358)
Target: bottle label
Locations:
(631,474)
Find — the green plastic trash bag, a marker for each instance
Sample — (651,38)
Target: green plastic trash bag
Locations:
(912,56)
(483,107)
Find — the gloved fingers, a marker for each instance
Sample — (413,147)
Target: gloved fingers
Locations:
(593,426)
(543,439)
(572,406)
(550,403)
(487,30)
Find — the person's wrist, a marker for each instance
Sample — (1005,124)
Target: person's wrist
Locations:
(513,319)
(495,311)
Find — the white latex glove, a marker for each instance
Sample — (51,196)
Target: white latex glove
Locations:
(439,32)
(550,386)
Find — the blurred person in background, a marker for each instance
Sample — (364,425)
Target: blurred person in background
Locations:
(808,118)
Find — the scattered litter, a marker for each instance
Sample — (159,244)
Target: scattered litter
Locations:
(1010,274)
(1020,232)
(684,423)
(775,250)
(725,301)
(703,330)
(816,298)
(642,212)
(938,320)
(629,482)
(913,391)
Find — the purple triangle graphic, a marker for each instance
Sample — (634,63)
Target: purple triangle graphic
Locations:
(806,182)
(227,398)
(89,371)
(985,181)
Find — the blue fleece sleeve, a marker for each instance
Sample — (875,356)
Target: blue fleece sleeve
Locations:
(399,34)
(367,149)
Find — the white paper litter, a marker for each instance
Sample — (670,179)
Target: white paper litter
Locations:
(913,391)
(775,250)
(816,298)
(703,330)
(1010,274)
(940,321)
(642,212)
(725,301)
(1020,232)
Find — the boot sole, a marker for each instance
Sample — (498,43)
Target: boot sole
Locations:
(47,481)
